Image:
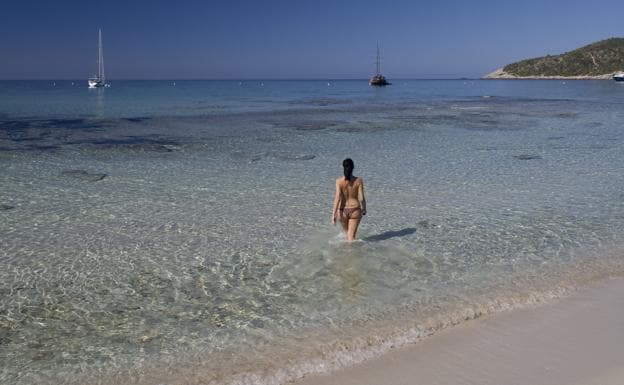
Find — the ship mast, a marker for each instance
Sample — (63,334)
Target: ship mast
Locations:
(378,61)
(100,57)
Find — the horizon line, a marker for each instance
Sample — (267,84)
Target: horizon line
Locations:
(241,79)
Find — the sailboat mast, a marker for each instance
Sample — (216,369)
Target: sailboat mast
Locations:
(100,57)
(378,61)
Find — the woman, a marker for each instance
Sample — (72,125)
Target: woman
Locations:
(349,201)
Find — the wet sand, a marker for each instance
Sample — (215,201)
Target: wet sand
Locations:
(577,340)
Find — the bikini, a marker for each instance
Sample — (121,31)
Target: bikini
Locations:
(348,212)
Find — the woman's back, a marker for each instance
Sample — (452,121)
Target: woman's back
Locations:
(349,191)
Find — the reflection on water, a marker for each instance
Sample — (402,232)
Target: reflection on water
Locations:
(99,94)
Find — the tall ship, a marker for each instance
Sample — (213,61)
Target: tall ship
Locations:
(99,80)
(378,79)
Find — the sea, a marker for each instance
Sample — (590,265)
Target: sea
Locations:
(179,232)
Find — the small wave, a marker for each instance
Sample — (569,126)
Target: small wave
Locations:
(344,352)
(316,353)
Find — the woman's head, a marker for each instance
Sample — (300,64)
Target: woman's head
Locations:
(347,165)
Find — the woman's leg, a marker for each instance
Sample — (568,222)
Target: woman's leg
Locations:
(352,228)
(344,221)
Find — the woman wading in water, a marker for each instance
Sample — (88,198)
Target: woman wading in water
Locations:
(349,202)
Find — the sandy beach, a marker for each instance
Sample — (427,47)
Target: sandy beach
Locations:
(577,340)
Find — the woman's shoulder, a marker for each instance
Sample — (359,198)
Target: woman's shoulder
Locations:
(341,180)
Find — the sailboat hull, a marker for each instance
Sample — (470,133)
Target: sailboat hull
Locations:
(378,81)
(95,83)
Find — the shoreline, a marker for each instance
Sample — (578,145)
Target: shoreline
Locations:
(501,74)
(356,353)
(576,340)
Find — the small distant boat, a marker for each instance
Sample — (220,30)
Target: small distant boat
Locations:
(99,80)
(619,77)
(378,79)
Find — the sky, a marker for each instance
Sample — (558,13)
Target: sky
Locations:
(296,39)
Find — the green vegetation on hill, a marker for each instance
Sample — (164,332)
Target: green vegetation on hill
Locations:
(603,57)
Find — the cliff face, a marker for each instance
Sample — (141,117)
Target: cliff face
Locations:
(598,60)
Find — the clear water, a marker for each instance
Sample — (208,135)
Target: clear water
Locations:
(181,234)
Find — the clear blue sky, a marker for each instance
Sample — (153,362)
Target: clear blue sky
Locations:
(239,39)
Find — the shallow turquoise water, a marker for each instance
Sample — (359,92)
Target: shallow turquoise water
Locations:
(151,230)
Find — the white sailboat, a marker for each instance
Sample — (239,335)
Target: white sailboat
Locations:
(99,80)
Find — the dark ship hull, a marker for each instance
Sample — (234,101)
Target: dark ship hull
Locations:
(378,80)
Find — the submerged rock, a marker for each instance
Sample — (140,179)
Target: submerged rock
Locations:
(566,115)
(276,155)
(425,224)
(248,157)
(136,144)
(150,147)
(84,175)
(312,125)
(282,156)
(527,157)
(138,119)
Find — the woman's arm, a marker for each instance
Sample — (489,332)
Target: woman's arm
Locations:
(336,203)
(361,196)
